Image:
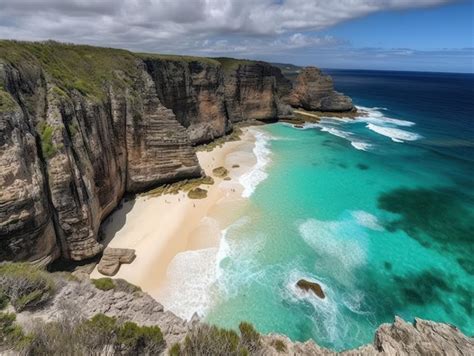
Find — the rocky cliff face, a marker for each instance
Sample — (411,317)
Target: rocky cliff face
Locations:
(194,91)
(314,91)
(81,126)
(70,156)
(253,90)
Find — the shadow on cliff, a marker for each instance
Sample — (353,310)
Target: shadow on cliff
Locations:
(116,220)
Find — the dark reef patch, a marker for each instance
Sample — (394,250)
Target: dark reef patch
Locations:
(435,217)
(423,288)
(362,166)
(387,266)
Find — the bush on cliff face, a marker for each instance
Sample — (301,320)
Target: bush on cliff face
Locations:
(11,335)
(104,284)
(211,340)
(25,285)
(250,338)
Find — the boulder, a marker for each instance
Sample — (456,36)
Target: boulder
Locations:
(311,286)
(112,259)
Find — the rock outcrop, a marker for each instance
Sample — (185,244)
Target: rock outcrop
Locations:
(253,90)
(193,89)
(112,258)
(81,126)
(311,286)
(314,91)
(80,299)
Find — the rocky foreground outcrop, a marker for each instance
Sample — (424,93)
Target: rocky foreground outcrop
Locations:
(314,91)
(80,299)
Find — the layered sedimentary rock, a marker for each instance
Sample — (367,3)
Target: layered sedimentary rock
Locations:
(81,126)
(253,90)
(193,89)
(314,91)
(70,155)
(26,223)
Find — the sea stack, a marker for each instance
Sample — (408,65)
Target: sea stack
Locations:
(314,91)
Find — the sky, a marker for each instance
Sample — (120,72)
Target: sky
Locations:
(421,35)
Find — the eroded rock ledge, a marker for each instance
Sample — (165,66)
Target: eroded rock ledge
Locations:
(399,338)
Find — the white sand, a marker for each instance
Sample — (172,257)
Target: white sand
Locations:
(159,228)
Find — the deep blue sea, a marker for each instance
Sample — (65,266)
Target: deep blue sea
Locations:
(378,210)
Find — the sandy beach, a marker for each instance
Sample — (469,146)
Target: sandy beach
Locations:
(163,227)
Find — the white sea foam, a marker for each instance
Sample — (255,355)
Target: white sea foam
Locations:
(378,118)
(257,174)
(328,319)
(349,136)
(397,135)
(336,132)
(363,146)
(191,275)
(335,240)
(367,220)
(196,278)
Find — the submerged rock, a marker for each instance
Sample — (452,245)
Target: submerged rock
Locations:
(311,286)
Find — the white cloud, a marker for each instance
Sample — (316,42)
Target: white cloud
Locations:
(248,26)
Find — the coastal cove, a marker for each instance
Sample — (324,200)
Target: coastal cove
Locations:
(182,205)
(349,209)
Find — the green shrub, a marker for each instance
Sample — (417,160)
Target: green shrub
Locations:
(122,285)
(25,285)
(11,335)
(3,301)
(104,284)
(279,345)
(46,132)
(175,350)
(140,339)
(211,340)
(250,338)
(97,333)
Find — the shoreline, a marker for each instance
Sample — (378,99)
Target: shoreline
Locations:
(160,228)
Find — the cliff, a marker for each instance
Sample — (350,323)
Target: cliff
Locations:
(81,126)
(314,91)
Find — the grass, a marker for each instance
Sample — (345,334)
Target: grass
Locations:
(180,58)
(7,103)
(83,68)
(181,186)
(11,335)
(119,285)
(25,285)
(229,64)
(46,133)
(233,136)
(104,284)
(279,346)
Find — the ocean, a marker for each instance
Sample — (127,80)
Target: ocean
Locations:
(378,210)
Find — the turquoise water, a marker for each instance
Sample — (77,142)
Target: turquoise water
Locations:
(375,210)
